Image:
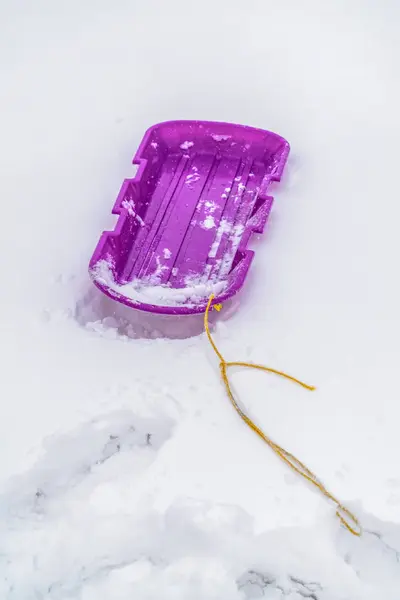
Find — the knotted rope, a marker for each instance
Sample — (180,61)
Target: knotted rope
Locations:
(346,517)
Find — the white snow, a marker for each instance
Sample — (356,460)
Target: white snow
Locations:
(186,145)
(150,292)
(124,471)
(129,205)
(220,138)
(209,222)
(192,177)
(224,227)
(211,206)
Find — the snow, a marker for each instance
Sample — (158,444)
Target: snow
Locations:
(124,471)
(220,138)
(186,145)
(129,205)
(192,177)
(208,223)
(224,227)
(211,206)
(152,292)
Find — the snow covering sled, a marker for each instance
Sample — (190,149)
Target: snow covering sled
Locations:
(185,219)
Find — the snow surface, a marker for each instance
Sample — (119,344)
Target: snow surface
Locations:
(152,292)
(124,471)
(209,222)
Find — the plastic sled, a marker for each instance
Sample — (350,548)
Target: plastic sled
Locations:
(185,219)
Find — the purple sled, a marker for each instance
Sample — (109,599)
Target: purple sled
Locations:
(185,219)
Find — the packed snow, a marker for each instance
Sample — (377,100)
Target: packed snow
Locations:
(156,294)
(208,223)
(125,474)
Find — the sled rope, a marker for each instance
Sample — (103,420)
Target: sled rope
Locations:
(346,517)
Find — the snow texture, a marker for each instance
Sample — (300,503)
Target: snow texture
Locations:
(129,205)
(220,138)
(125,474)
(186,145)
(209,222)
(151,292)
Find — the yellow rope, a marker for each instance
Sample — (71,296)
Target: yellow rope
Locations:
(346,517)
